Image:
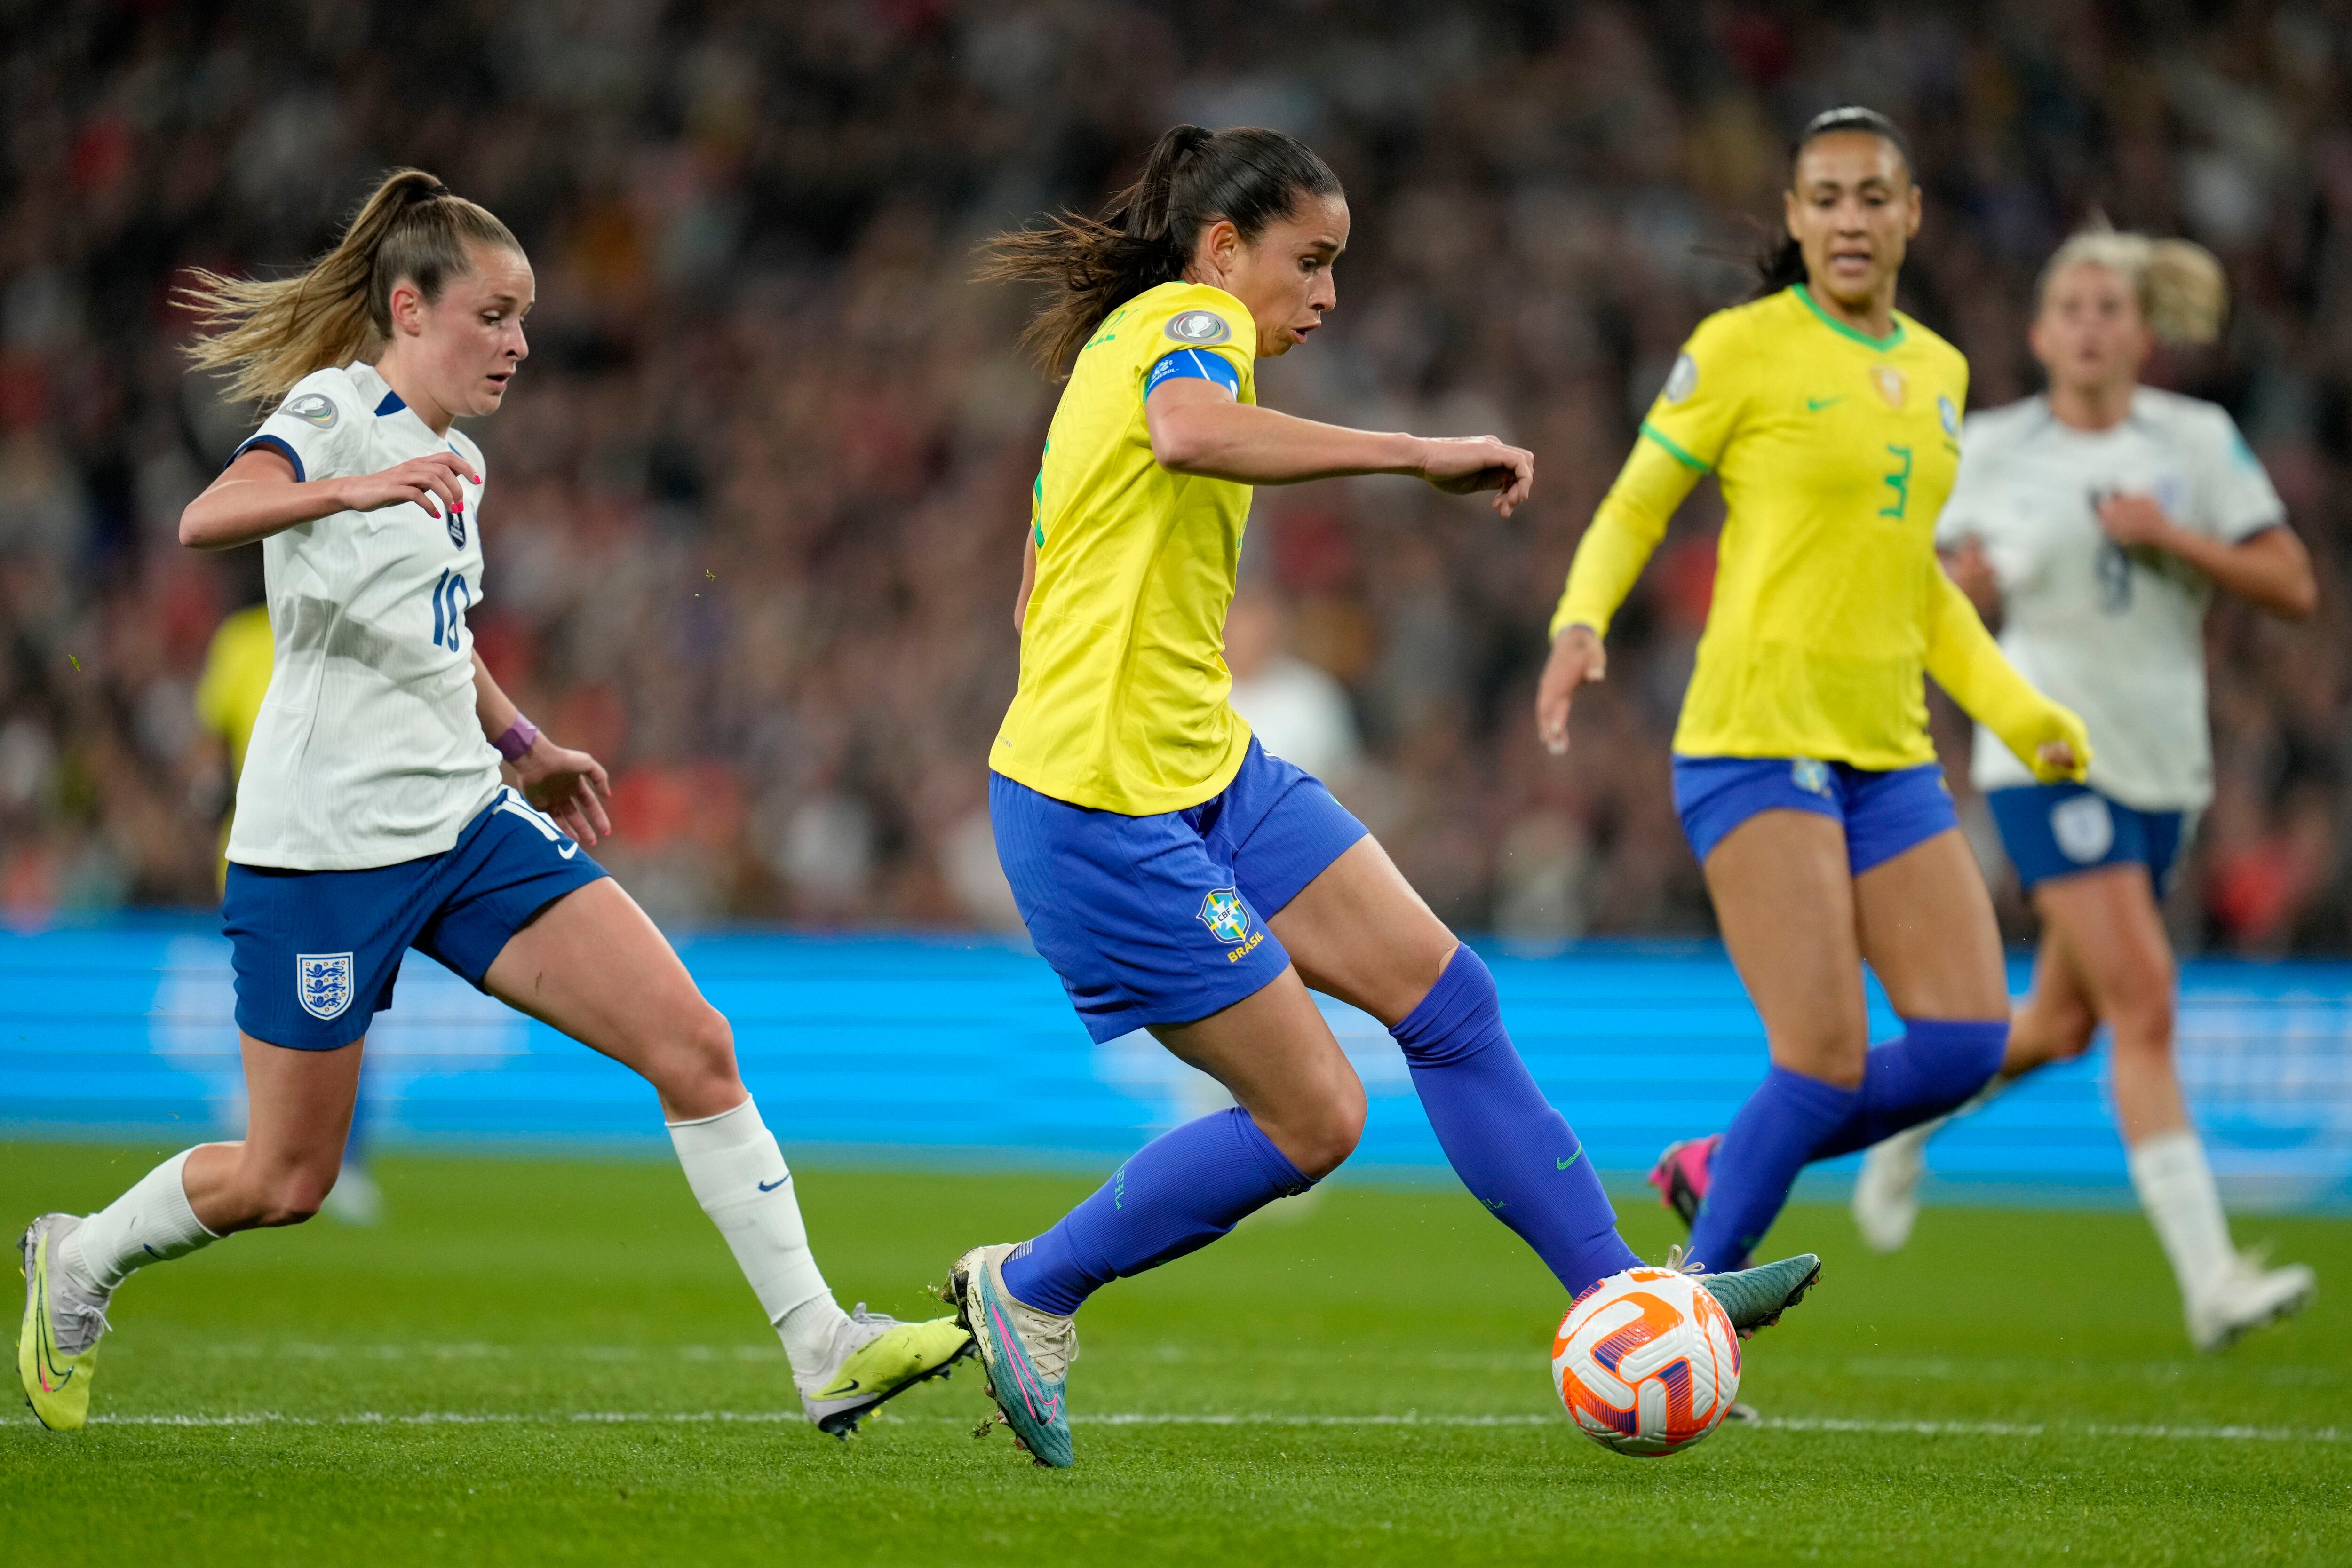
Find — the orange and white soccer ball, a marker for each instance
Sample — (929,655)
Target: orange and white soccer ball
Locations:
(1647,1362)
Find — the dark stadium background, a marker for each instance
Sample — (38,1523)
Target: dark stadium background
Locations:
(755,507)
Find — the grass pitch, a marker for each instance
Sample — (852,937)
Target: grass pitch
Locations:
(555,1362)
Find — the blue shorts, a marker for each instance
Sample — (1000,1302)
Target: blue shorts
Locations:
(315,952)
(1882,813)
(2057,829)
(1161,920)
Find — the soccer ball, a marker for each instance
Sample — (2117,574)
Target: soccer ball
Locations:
(1646,1362)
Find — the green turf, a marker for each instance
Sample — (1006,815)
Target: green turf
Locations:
(552,1291)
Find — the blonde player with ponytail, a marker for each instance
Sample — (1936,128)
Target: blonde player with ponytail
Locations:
(372,816)
(2098,517)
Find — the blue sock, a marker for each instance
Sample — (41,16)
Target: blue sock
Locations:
(1511,1149)
(1793,1120)
(1932,1069)
(1763,1149)
(1175,1194)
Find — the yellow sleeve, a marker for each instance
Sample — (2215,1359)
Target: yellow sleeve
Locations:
(1964,659)
(1687,427)
(1631,520)
(1208,319)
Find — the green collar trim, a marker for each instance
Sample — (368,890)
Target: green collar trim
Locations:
(1892,341)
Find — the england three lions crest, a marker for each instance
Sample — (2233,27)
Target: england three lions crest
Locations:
(323,982)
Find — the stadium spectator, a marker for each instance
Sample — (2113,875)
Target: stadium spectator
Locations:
(763,484)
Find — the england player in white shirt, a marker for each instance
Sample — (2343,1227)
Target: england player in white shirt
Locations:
(2096,519)
(372,817)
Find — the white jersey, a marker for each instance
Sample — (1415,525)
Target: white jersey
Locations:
(2117,635)
(367,751)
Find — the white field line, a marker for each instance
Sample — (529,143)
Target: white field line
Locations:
(1804,1424)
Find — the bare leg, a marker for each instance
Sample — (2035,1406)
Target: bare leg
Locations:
(1360,932)
(2057,1019)
(1928,931)
(1277,1055)
(298,1114)
(595,966)
(1924,923)
(1786,904)
(2114,940)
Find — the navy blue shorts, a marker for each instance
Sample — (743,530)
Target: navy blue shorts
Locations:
(315,952)
(1161,920)
(1882,813)
(2057,829)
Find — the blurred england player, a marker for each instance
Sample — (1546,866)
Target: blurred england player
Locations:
(372,816)
(2096,519)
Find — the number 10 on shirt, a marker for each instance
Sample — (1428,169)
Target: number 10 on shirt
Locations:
(450,597)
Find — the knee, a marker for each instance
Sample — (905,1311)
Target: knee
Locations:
(1320,1142)
(2045,1033)
(290,1197)
(698,1075)
(2143,1026)
(1838,1055)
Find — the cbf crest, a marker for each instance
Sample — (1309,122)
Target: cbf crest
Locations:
(1811,775)
(323,982)
(1225,915)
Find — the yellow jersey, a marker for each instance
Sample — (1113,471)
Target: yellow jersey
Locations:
(229,692)
(1122,702)
(1835,451)
(235,678)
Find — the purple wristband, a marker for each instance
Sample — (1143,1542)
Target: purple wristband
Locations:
(516,742)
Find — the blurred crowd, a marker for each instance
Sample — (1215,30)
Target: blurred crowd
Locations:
(756,502)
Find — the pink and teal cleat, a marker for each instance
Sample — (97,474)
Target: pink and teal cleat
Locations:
(1027,1354)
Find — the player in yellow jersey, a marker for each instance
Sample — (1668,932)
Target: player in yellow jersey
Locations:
(1802,768)
(1177,877)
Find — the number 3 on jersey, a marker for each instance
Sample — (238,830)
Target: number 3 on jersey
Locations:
(450,597)
(1899,482)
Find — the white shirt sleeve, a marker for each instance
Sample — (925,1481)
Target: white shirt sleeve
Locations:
(2232,498)
(319,428)
(1968,510)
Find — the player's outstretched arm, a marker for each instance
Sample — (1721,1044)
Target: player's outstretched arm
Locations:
(569,785)
(257,496)
(1197,427)
(2271,570)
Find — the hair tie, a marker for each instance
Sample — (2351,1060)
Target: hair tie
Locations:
(432,192)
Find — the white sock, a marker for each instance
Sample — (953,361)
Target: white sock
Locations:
(739,1176)
(2176,1186)
(152,1223)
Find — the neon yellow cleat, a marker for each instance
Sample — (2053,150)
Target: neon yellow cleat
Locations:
(882,1358)
(56,1350)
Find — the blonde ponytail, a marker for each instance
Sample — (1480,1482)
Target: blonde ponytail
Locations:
(272,333)
(2183,292)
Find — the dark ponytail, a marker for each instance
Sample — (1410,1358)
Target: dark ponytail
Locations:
(1781,261)
(1144,237)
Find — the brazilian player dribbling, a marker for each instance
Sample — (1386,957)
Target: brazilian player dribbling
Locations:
(1178,877)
